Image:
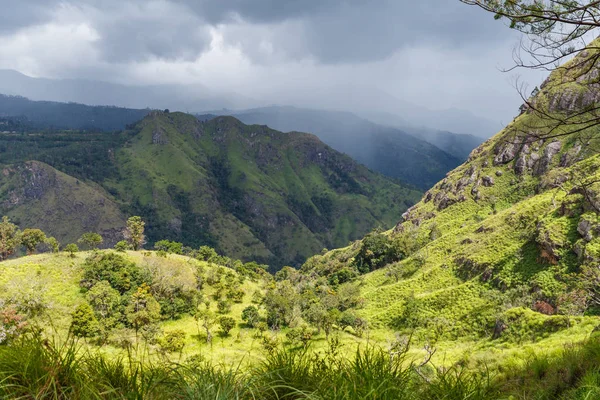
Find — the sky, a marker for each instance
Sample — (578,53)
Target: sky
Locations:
(440,54)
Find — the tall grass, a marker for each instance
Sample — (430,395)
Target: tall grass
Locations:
(34,368)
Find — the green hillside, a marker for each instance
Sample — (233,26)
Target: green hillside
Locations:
(249,191)
(35,194)
(504,250)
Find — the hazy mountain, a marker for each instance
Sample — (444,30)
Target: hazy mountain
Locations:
(174,97)
(376,105)
(384,149)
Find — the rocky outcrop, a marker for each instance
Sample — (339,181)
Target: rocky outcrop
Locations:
(543,164)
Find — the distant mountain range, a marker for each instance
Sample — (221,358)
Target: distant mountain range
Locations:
(421,157)
(367,102)
(251,192)
(388,150)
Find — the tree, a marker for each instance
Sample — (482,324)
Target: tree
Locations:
(84,323)
(143,309)
(10,238)
(555,31)
(226,324)
(104,299)
(91,240)
(172,342)
(207,318)
(122,246)
(169,246)
(250,316)
(134,233)
(31,238)
(53,244)
(206,253)
(71,248)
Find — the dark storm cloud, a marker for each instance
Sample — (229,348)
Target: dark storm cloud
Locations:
(328,31)
(352,31)
(144,30)
(17,14)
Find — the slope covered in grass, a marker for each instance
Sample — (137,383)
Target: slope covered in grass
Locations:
(503,252)
(252,192)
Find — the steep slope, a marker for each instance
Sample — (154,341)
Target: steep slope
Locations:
(383,149)
(248,190)
(34,194)
(507,246)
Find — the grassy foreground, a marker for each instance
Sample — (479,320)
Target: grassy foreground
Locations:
(33,368)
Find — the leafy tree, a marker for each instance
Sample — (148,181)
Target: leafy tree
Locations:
(91,240)
(555,30)
(206,318)
(134,233)
(31,238)
(122,274)
(376,251)
(105,300)
(236,295)
(10,238)
(143,309)
(226,324)
(84,323)
(53,243)
(122,246)
(172,342)
(71,248)
(206,253)
(250,316)
(169,246)
(223,307)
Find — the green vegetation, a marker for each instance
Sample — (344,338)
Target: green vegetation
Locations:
(248,191)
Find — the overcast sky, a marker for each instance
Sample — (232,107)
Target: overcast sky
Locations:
(435,53)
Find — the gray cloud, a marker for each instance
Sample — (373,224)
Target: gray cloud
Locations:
(17,14)
(438,53)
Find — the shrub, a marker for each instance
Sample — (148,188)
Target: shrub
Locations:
(169,246)
(71,248)
(223,307)
(172,342)
(84,323)
(122,246)
(250,316)
(226,324)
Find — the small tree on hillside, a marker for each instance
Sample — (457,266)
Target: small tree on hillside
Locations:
(31,238)
(226,324)
(53,244)
(71,248)
(134,233)
(122,246)
(91,240)
(84,323)
(10,238)
(250,316)
(143,308)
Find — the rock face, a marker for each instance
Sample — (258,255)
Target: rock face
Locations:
(550,151)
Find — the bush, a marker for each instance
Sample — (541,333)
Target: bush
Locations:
(250,316)
(226,324)
(122,246)
(84,323)
(169,246)
(172,342)
(71,249)
(122,274)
